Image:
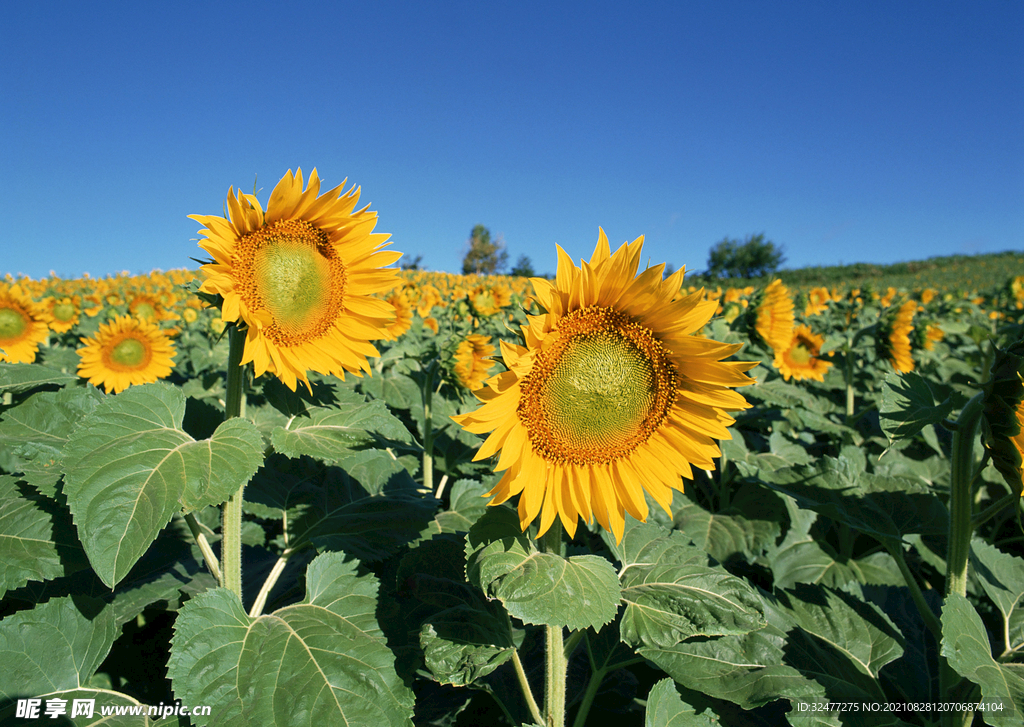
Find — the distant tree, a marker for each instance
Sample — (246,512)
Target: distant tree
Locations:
(523,268)
(413,263)
(751,258)
(485,256)
(669,270)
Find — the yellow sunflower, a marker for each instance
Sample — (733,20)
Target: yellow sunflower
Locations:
(23,326)
(403,315)
(301,277)
(612,395)
(774,323)
(473,360)
(64,313)
(899,338)
(817,301)
(800,361)
(124,352)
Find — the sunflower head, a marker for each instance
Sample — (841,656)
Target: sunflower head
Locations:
(610,396)
(23,325)
(301,277)
(800,361)
(1004,414)
(124,352)
(471,361)
(895,340)
(773,316)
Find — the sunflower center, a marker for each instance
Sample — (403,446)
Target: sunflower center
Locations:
(290,269)
(64,312)
(800,354)
(600,386)
(13,324)
(130,353)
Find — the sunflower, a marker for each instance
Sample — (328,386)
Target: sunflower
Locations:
(817,301)
(301,277)
(800,361)
(612,395)
(64,313)
(403,314)
(774,322)
(125,351)
(473,360)
(899,338)
(23,326)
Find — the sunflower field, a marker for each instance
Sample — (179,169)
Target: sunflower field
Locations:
(301,487)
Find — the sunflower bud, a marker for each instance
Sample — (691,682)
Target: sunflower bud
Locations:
(1004,414)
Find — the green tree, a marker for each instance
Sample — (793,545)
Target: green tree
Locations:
(524,268)
(415,263)
(752,258)
(485,256)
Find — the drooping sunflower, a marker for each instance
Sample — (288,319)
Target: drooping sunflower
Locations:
(124,352)
(800,361)
(899,338)
(817,301)
(301,277)
(473,360)
(23,325)
(774,321)
(612,395)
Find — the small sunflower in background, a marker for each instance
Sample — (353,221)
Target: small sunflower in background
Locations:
(64,313)
(125,352)
(473,360)
(403,314)
(611,396)
(24,324)
(800,361)
(817,301)
(301,277)
(774,316)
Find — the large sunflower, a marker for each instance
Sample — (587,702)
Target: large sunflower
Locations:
(612,395)
(800,361)
(124,352)
(23,326)
(301,277)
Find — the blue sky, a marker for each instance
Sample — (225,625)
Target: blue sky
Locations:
(846,132)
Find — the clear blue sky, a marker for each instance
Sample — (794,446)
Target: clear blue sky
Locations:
(846,132)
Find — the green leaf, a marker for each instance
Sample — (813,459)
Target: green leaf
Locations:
(130,466)
(966,647)
(747,669)
(665,708)
(535,587)
(22,377)
(466,505)
(1002,577)
(33,532)
(887,508)
(732,532)
(320,662)
(671,592)
(53,647)
(908,406)
(332,433)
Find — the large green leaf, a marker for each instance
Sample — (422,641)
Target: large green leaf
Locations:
(53,647)
(22,377)
(535,587)
(1002,577)
(908,406)
(130,466)
(887,508)
(320,662)
(672,593)
(735,531)
(332,433)
(966,647)
(665,708)
(33,531)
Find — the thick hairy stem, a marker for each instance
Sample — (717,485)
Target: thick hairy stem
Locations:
(556,663)
(231,529)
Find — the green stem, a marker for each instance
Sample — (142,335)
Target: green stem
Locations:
(992,510)
(929,617)
(204,545)
(268,584)
(960,505)
(524,685)
(960,528)
(848,376)
(556,663)
(231,528)
(427,393)
(588,698)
